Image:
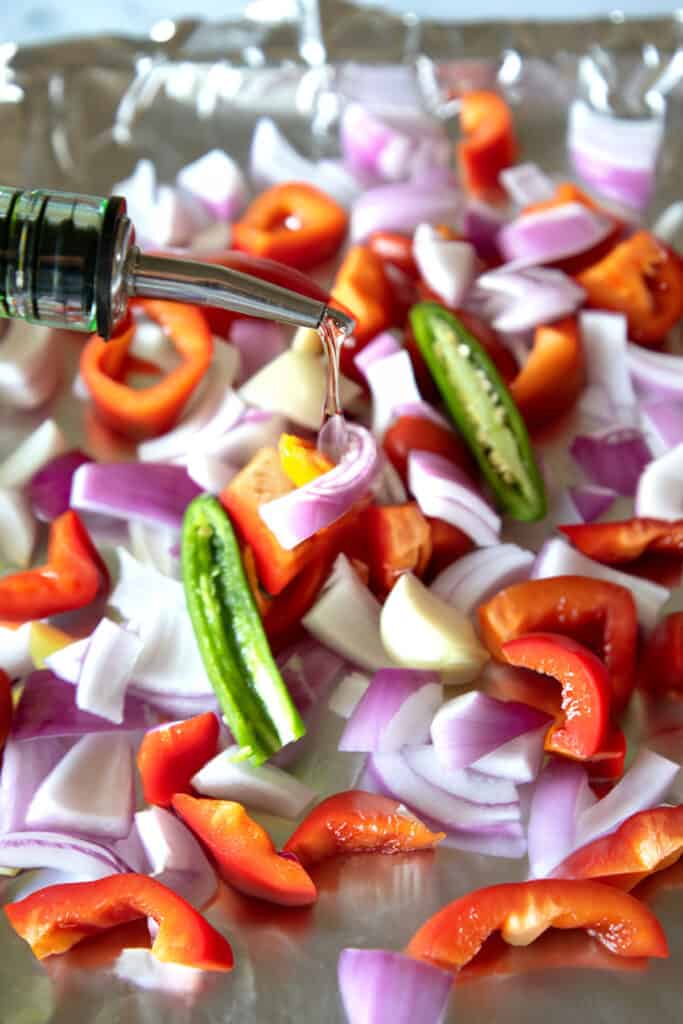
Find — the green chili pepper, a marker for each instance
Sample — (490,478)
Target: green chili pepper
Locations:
(230,636)
(482,409)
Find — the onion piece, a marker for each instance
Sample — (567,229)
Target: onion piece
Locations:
(347,695)
(657,376)
(256,429)
(526,184)
(152,492)
(176,859)
(591,502)
(217,182)
(388,487)
(525,298)
(263,788)
(258,342)
(90,791)
(504,839)
(553,234)
(15,650)
(371,979)
(346,617)
(604,342)
(385,344)
(392,383)
(444,491)
(660,488)
(421,631)
(46,442)
(481,226)
(106,671)
(472,725)
(463,782)
(24,766)
(155,544)
(48,709)
(663,424)
(644,785)
(402,207)
(77,856)
(50,488)
(519,760)
(476,576)
(391,148)
(561,795)
(208,472)
(298,515)
(29,366)
(395,711)
(447,266)
(18,528)
(558,558)
(309,671)
(612,458)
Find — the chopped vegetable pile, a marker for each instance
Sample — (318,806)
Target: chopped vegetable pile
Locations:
(478,581)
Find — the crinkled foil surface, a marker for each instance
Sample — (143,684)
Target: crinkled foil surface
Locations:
(78,115)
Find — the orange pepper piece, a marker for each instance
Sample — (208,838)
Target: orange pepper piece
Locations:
(552,377)
(489,144)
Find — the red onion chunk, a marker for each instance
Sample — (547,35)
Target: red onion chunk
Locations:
(385,344)
(660,488)
(309,670)
(481,226)
(301,513)
(444,491)
(472,725)
(216,409)
(518,760)
(402,207)
(18,528)
(478,575)
(257,341)
(90,791)
(217,182)
(612,458)
(29,365)
(15,653)
(522,299)
(176,859)
(106,671)
(591,501)
(255,429)
(558,558)
(262,787)
(447,266)
(663,424)
(395,711)
(174,707)
(657,376)
(526,184)
(209,472)
(463,782)
(151,492)
(382,987)
(605,345)
(392,384)
(24,766)
(562,793)
(74,855)
(391,148)
(50,488)
(553,234)
(48,709)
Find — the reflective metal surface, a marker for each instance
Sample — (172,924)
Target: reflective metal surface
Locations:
(79,116)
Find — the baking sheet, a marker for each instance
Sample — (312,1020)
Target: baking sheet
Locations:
(78,115)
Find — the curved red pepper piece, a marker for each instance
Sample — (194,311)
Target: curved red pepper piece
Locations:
(660,668)
(489,144)
(553,376)
(244,852)
(171,754)
(73,576)
(624,541)
(586,690)
(54,919)
(362,289)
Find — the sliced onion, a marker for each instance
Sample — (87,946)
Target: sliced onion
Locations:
(209,473)
(553,234)
(526,184)
(616,156)
(644,785)
(24,766)
(392,383)
(162,215)
(396,711)
(504,839)
(50,488)
(29,366)
(481,226)
(255,430)
(388,487)
(74,855)
(663,424)
(385,344)
(447,266)
(90,791)
(48,709)
(559,798)
(518,760)
(557,558)
(17,528)
(176,859)
(389,148)
(44,444)
(478,575)
(463,782)
(612,458)
(66,662)
(372,980)
(345,617)
(217,182)
(444,491)
(296,516)
(152,492)
(604,342)
(657,376)
(309,671)
(155,544)
(660,488)
(258,342)
(15,650)
(402,207)
(591,501)
(263,788)
(106,671)
(522,299)
(424,799)
(348,694)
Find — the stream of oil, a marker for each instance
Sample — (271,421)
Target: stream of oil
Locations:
(332,436)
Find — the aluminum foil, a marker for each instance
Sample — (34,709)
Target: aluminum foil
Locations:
(78,115)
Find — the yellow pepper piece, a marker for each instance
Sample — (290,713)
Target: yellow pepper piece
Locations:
(301,460)
(44,640)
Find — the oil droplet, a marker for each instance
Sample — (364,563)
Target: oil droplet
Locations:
(333,329)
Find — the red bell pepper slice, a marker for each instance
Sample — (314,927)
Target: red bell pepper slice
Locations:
(398,540)
(643,279)
(489,144)
(553,376)
(597,613)
(607,766)
(415,433)
(396,249)
(363,289)
(293,223)
(73,576)
(625,541)
(282,620)
(54,919)
(448,545)
(660,669)
(522,911)
(146,412)
(6,707)
(244,852)
(171,754)
(358,822)
(567,192)
(646,842)
(585,685)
